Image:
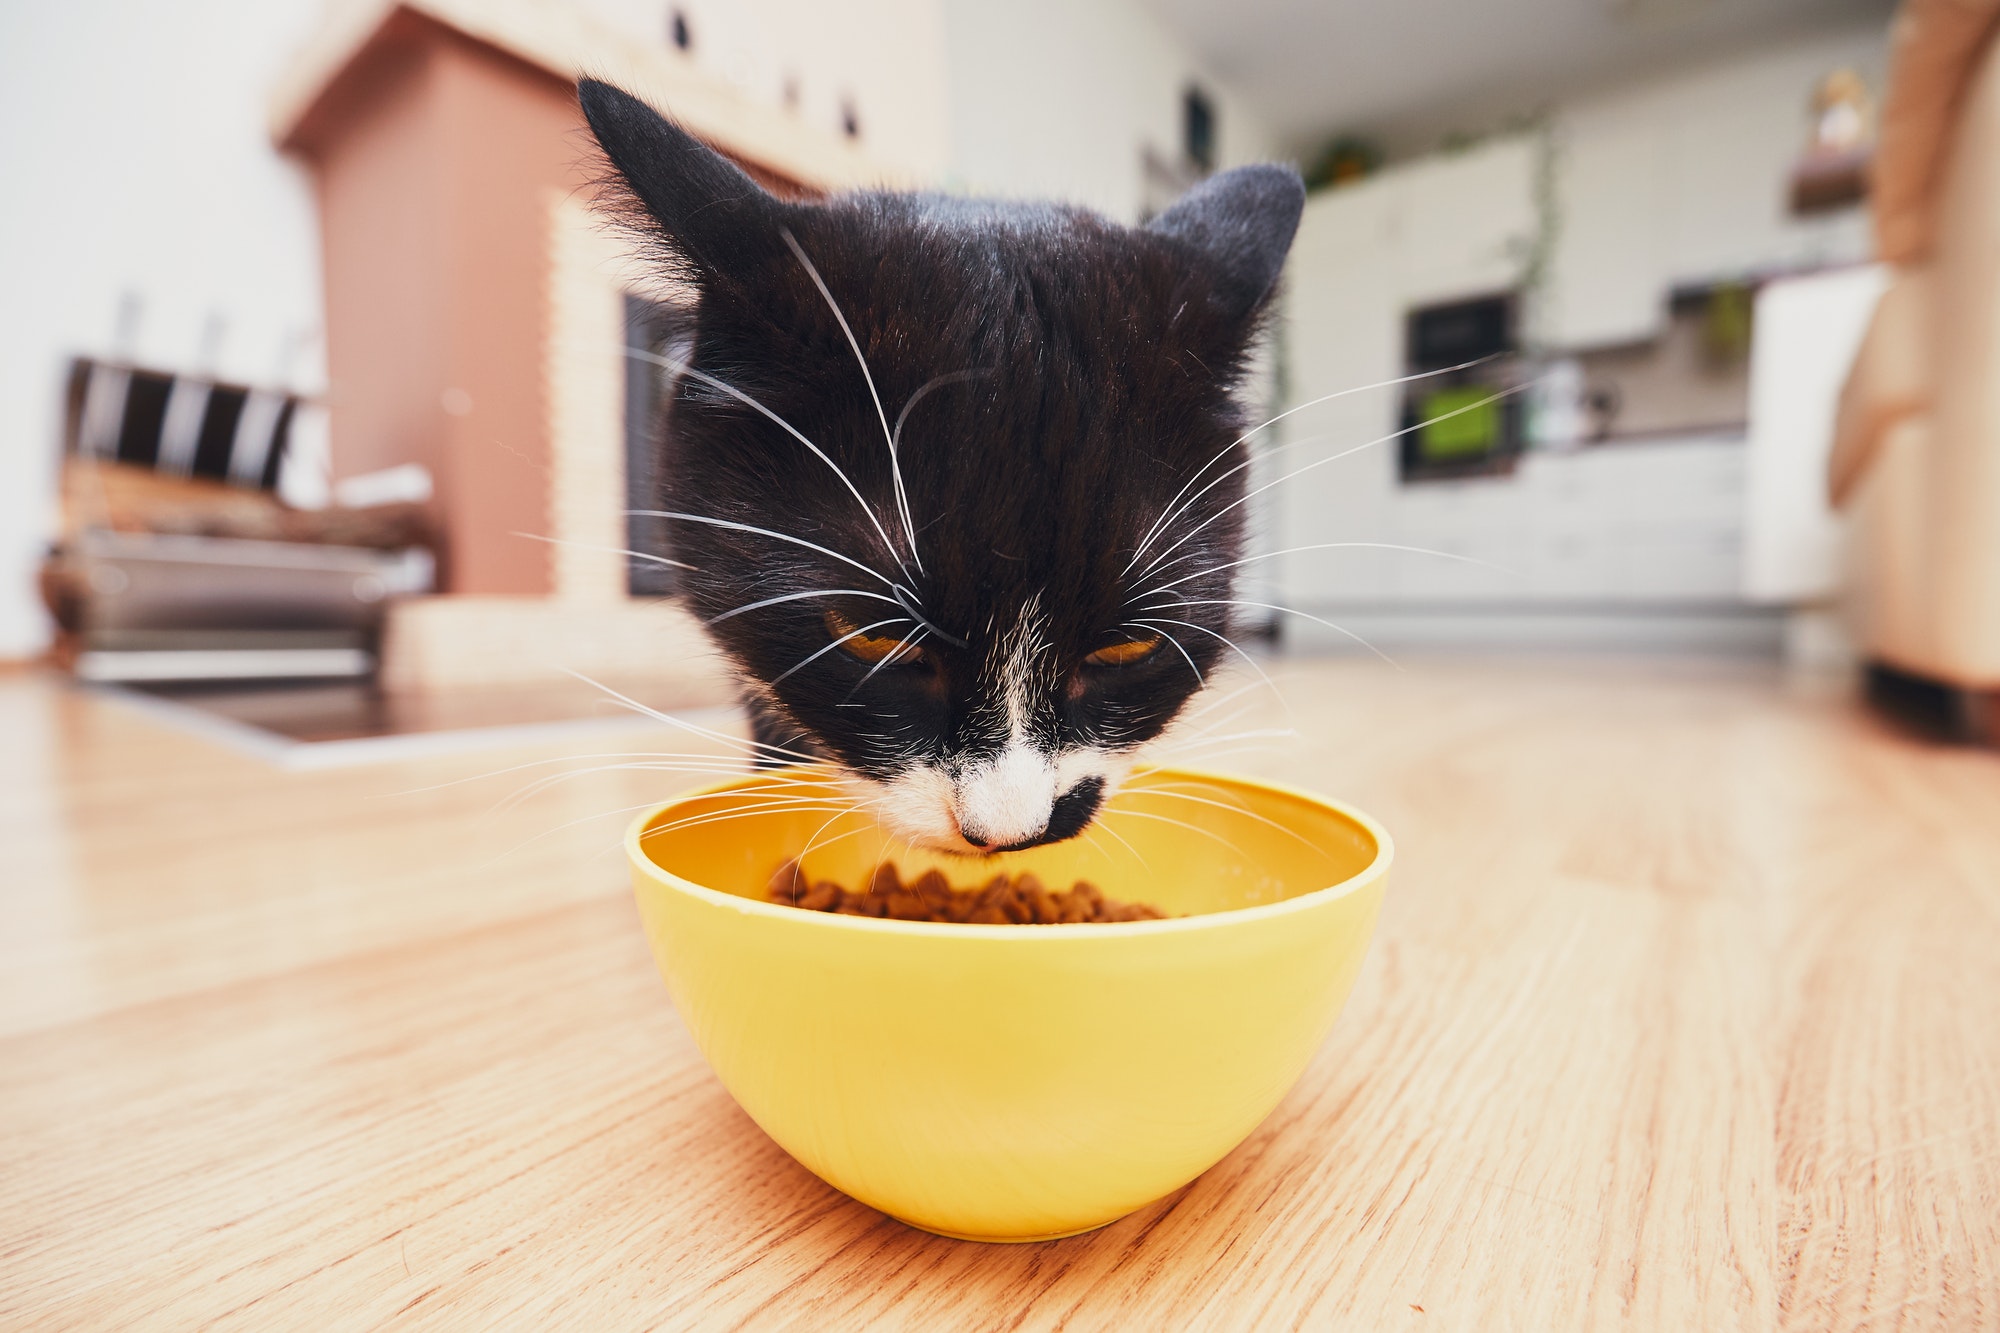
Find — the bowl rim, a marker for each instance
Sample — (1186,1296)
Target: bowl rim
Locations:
(1378,866)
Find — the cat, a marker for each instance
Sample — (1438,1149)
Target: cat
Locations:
(957,483)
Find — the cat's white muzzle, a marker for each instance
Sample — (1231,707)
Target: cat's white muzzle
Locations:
(1006,800)
(978,806)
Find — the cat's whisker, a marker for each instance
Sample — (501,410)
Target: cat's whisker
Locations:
(558,759)
(729,816)
(826,800)
(1137,855)
(853,634)
(1179,740)
(1233,646)
(1323,546)
(1270,732)
(1212,704)
(888,436)
(532,839)
(732,768)
(1204,742)
(1178,646)
(710,766)
(731,524)
(1168,514)
(609,550)
(1123,813)
(1208,749)
(1293,611)
(1187,722)
(1165,521)
(1216,756)
(750,803)
(512,806)
(801,596)
(1487,401)
(752,747)
(688,369)
(1162,789)
(745,804)
(615,846)
(908,601)
(813,841)
(723,768)
(907,647)
(953,377)
(1213,717)
(822,794)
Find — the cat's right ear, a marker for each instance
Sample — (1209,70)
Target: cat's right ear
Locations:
(710,214)
(1242,222)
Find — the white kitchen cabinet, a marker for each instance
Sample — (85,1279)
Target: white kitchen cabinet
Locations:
(1807,333)
(1630,524)
(1466,221)
(1344,309)
(1608,277)
(1344,293)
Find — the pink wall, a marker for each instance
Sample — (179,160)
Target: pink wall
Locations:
(433,156)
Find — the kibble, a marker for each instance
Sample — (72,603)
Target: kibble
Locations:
(1018,900)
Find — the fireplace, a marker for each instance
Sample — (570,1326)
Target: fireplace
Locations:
(478,315)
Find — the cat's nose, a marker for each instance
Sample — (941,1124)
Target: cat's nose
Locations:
(1014,802)
(1069,814)
(1006,801)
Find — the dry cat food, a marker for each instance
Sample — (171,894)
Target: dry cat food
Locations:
(1004,900)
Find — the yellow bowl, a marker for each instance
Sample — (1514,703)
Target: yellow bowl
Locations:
(1013,1082)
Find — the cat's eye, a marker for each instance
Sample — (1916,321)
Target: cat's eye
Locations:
(871,648)
(1122,654)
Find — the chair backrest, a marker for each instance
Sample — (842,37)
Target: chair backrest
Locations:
(180,425)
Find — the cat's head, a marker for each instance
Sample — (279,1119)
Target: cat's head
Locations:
(981,574)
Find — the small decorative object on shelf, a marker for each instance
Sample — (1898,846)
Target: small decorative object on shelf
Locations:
(1343,161)
(1833,173)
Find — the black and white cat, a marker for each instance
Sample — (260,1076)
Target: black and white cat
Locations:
(957,482)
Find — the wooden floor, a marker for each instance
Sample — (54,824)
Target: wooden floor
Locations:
(1684,1013)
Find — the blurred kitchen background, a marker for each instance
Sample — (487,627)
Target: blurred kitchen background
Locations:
(315,418)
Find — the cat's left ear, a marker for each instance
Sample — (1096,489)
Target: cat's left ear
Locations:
(1241,222)
(711,215)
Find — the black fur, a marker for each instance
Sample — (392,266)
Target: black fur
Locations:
(1087,374)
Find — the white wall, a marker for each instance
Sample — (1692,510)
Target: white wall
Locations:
(1037,99)
(886,57)
(133,148)
(1057,99)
